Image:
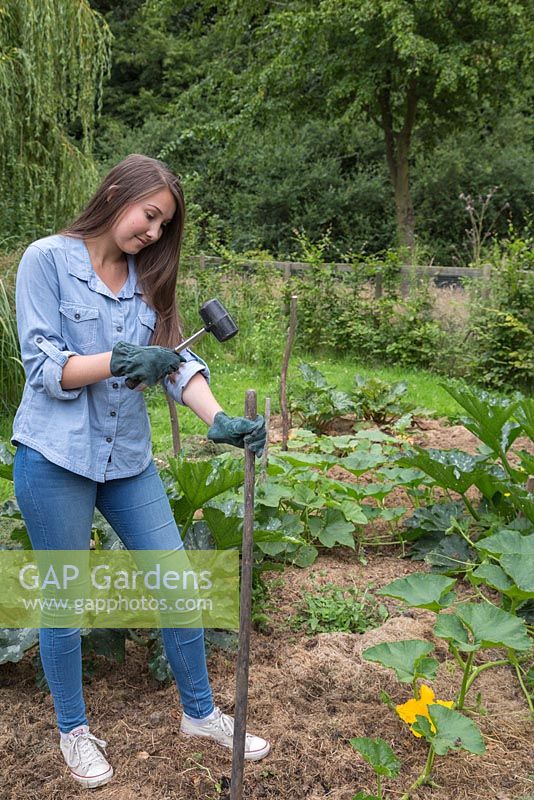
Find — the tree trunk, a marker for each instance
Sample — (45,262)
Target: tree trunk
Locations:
(403,200)
(398,160)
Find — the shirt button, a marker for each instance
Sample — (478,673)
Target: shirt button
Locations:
(119,328)
(115,385)
(76,316)
(109,439)
(39,339)
(112,413)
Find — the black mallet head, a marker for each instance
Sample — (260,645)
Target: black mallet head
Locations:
(216,320)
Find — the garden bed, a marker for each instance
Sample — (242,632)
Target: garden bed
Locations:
(308,694)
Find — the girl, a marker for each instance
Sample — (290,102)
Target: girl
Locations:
(96,306)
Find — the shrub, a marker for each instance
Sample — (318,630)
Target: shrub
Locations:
(501,352)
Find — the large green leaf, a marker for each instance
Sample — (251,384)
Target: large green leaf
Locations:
(522,500)
(490,480)
(200,481)
(436,518)
(450,469)
(362,461)
(225,521)
(489,417)
(507,541)
(302,556)
(527,462)
(306,496)
(271,493)
(450,555)
(451,628)
(332,528)
(492,575)
(422,590)
(352,512)
(403,476)
(525,416)
(313,376)
(492,627)
(453,731)
(378,754)
(374,435)
(296,459)
(521,570)
(408,658)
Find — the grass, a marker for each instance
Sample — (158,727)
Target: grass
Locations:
(229,383)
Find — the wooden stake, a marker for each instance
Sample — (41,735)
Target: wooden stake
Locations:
(241,699)
(285,364)
(265,454)
(175,424)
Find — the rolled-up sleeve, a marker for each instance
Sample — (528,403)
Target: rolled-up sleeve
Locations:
(43,350)
(192,366)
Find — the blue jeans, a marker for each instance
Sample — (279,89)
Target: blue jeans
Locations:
(58,506)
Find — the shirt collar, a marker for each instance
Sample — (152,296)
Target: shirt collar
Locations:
(79,265)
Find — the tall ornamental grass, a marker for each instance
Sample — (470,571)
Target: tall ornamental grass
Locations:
(11,371)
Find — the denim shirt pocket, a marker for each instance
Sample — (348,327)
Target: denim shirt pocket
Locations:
(147,319)
(79,325)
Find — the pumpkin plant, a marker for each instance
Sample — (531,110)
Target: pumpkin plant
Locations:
(468,629)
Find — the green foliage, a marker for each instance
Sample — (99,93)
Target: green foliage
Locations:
(452,731)
(497,423)
(15,641)
(422,590)
(315,403)
(502,318)
(11,372)
(254,298)
(378,754)
(336,608)
(378,401)
(409,659)
(382,759)
(51,97)
(475,626)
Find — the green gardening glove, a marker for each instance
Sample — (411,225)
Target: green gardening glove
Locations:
(146,365)
(239,431)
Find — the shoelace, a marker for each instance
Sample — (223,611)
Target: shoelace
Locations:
(227,724)
(84,745)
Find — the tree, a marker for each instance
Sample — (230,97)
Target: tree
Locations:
(411,66)
(54,55)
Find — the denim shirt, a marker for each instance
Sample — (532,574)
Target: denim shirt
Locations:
(100,431)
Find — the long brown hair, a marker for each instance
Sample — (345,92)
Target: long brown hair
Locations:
(134,178)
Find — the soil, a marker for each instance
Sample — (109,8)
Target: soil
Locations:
(309,695)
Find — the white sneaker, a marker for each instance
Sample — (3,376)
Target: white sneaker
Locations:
(83,753)
(221,730)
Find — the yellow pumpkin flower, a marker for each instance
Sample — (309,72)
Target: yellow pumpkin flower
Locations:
(419,708)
